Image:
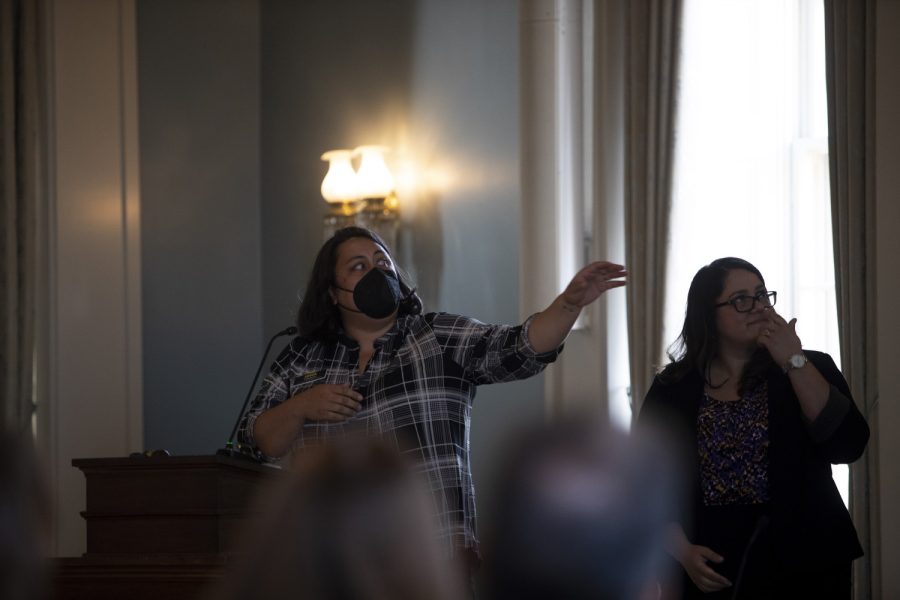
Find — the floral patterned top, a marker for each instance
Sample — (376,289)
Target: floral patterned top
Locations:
(733,444)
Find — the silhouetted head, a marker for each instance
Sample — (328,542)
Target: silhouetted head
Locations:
(351,522)
(581,515)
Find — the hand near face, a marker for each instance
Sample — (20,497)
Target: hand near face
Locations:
(593,280)
(779,337)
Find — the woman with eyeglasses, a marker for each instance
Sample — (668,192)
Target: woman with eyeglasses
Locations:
(758,421)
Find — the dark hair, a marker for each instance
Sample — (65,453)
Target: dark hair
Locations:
(698,343)
(318,317)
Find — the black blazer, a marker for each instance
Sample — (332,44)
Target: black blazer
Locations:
(808,521)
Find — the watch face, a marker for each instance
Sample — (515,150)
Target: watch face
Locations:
(798,360)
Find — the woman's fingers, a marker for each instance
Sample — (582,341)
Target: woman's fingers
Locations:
(612,273)
(713,580)
(332,402)
(710,554)
(778,320)
(712,586)
(714,577)
(603,269)
(351,405)
(603,280)
(348,402)
(334,412)
(593,280)
(605,265)
(344,389)
(334,416)
(343,409)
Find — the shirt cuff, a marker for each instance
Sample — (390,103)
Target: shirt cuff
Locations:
(249,424)
(525,348)
(831,417)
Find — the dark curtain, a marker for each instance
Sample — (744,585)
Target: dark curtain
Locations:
(653,42)
(22,102)
(850,81)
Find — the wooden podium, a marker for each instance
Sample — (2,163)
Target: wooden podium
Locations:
(159,527)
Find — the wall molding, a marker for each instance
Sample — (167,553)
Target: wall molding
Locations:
(91,404)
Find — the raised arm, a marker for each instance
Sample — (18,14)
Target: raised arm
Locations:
(550,327)
(833,420)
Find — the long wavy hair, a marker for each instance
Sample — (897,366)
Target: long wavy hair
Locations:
(698,343)
(318,317)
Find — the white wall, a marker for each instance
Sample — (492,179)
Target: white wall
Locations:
(94,403)
(557,140)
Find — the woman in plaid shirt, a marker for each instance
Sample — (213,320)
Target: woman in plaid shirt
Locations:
(367,360)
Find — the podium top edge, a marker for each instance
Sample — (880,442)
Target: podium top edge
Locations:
(156,462)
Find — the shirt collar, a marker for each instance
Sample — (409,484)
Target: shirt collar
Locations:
(389,339)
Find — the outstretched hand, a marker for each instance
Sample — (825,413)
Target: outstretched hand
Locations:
(550,327)
(591,281)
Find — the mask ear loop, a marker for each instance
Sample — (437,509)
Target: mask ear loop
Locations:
(334,285)
(348,308)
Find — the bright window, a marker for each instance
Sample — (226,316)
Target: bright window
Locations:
(751,171)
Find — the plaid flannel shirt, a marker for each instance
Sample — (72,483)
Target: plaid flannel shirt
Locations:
(417,389)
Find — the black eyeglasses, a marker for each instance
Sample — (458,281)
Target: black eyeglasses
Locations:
(746,303)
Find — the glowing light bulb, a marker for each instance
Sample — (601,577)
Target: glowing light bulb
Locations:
(374,179)
(341,181)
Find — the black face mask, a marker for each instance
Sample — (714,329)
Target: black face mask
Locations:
(377,294)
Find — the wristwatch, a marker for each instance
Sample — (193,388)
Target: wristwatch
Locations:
(797,361)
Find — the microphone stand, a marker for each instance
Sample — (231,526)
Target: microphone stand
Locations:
(235,449)
(761,524)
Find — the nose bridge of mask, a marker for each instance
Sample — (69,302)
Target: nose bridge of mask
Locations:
(361,279)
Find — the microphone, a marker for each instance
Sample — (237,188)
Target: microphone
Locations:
(233,448)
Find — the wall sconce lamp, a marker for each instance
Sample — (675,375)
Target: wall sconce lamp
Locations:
(363,197)
(339,187)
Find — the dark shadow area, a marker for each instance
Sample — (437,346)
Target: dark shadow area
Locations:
(198,85)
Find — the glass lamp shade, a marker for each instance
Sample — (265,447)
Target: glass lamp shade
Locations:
(374,179)
(341,181)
